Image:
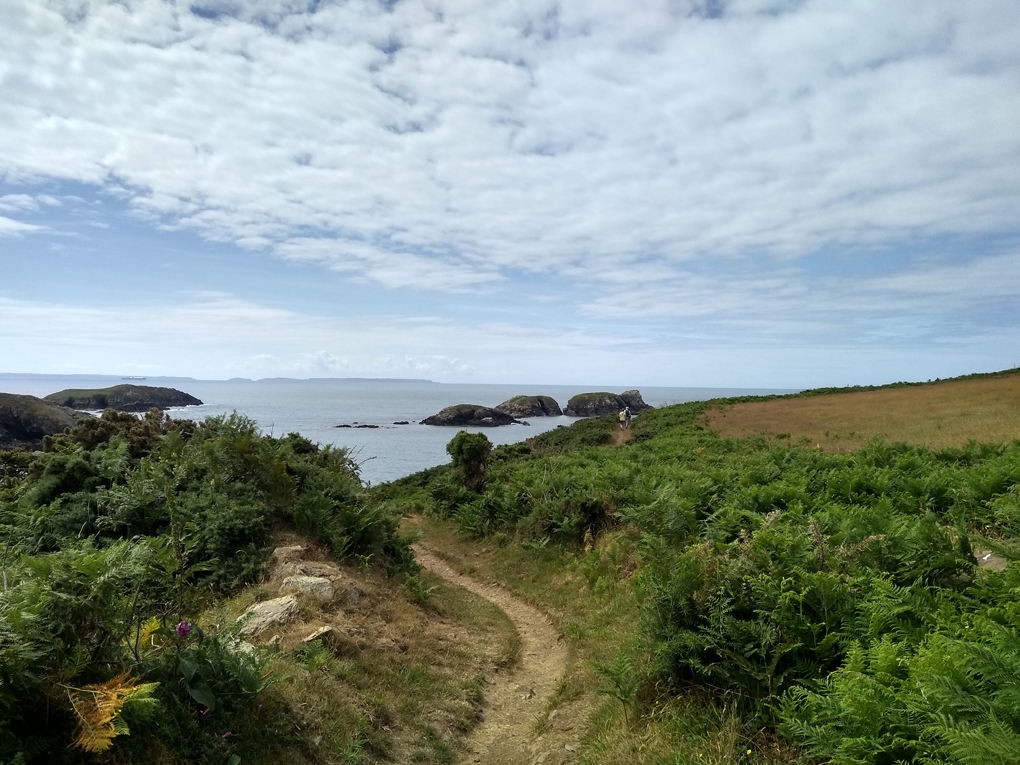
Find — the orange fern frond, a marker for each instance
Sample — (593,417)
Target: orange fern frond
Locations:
(98,709)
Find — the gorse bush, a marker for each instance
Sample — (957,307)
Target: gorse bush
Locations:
(114,536)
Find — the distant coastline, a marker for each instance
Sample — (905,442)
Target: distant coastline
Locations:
(169,378)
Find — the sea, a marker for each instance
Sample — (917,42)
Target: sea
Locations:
(316,408)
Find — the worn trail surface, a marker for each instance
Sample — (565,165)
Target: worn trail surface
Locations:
(514,700)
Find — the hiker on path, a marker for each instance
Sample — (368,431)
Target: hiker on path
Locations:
(625,418)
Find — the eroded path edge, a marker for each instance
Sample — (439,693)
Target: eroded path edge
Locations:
(513,700)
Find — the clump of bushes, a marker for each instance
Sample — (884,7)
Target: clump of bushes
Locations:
(113,537)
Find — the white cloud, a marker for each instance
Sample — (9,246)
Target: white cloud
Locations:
(440,144)
(10,227)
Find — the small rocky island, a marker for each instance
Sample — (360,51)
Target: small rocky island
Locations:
(530,406)
(471,416)
(124,398)
(25,420)
(596,404)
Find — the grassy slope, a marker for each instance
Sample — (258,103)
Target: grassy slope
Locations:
(399,683)
(936,415)
(587,590)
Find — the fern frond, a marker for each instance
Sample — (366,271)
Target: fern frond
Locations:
(98,709)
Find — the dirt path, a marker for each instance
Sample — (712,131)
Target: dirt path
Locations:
(620,437)
(515,700)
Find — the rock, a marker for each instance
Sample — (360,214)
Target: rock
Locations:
(354,595)
(632,398)
(317,587)
(288,553)
(530,406)
(307,568)
(596,404)
(268,613)
(593,404)
(402,422)
(25,420)
(124,398)
(319,633)
(469,415)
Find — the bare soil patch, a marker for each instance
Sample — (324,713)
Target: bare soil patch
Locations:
(938,415)
(620,436)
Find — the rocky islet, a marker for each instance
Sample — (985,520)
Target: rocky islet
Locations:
(512,410)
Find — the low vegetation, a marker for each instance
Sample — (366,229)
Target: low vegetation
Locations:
(126,549)
(765,598)
(792,601)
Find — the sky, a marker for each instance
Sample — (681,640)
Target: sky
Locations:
(722,193)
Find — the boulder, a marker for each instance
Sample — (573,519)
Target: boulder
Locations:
(318,587)
(307,568)
(530,406)
(469,416)
(124,398)
(596,404)
(268,613)
(593,404)
(25,420)
(289,553)
(632,398)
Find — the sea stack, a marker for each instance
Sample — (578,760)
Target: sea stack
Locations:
(530,406)
(596,404)
(470,416)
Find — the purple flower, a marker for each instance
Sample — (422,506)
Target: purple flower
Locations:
(228,734)
(183,629)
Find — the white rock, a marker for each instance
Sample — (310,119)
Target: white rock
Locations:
(321,632)
(268,613)
(317,587)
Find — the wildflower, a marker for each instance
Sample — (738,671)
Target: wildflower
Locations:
(183,629)
(228,734)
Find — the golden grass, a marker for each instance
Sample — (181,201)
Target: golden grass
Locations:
(935,415)
(396,681)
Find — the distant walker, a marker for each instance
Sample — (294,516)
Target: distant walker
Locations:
(625,418)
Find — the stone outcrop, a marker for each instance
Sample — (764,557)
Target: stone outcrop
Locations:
(632,398)
(124,398)
(596,404)
(25,420)
(269,613)
(470,416)
(530,406)
(318,587)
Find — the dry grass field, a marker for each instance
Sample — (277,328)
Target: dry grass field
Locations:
(937,415)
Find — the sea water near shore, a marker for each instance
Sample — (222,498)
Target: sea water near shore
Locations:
(315,407)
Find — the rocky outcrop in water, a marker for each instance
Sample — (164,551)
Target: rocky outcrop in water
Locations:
(596,404)
(25,420)
(632,398)
(124,398)
(530,406)
(470,416)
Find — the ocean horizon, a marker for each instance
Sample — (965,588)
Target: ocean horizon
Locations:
(318,407)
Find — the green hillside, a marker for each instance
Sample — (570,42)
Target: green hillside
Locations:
(748,600)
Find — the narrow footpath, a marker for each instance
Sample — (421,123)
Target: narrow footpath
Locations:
(515,701)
